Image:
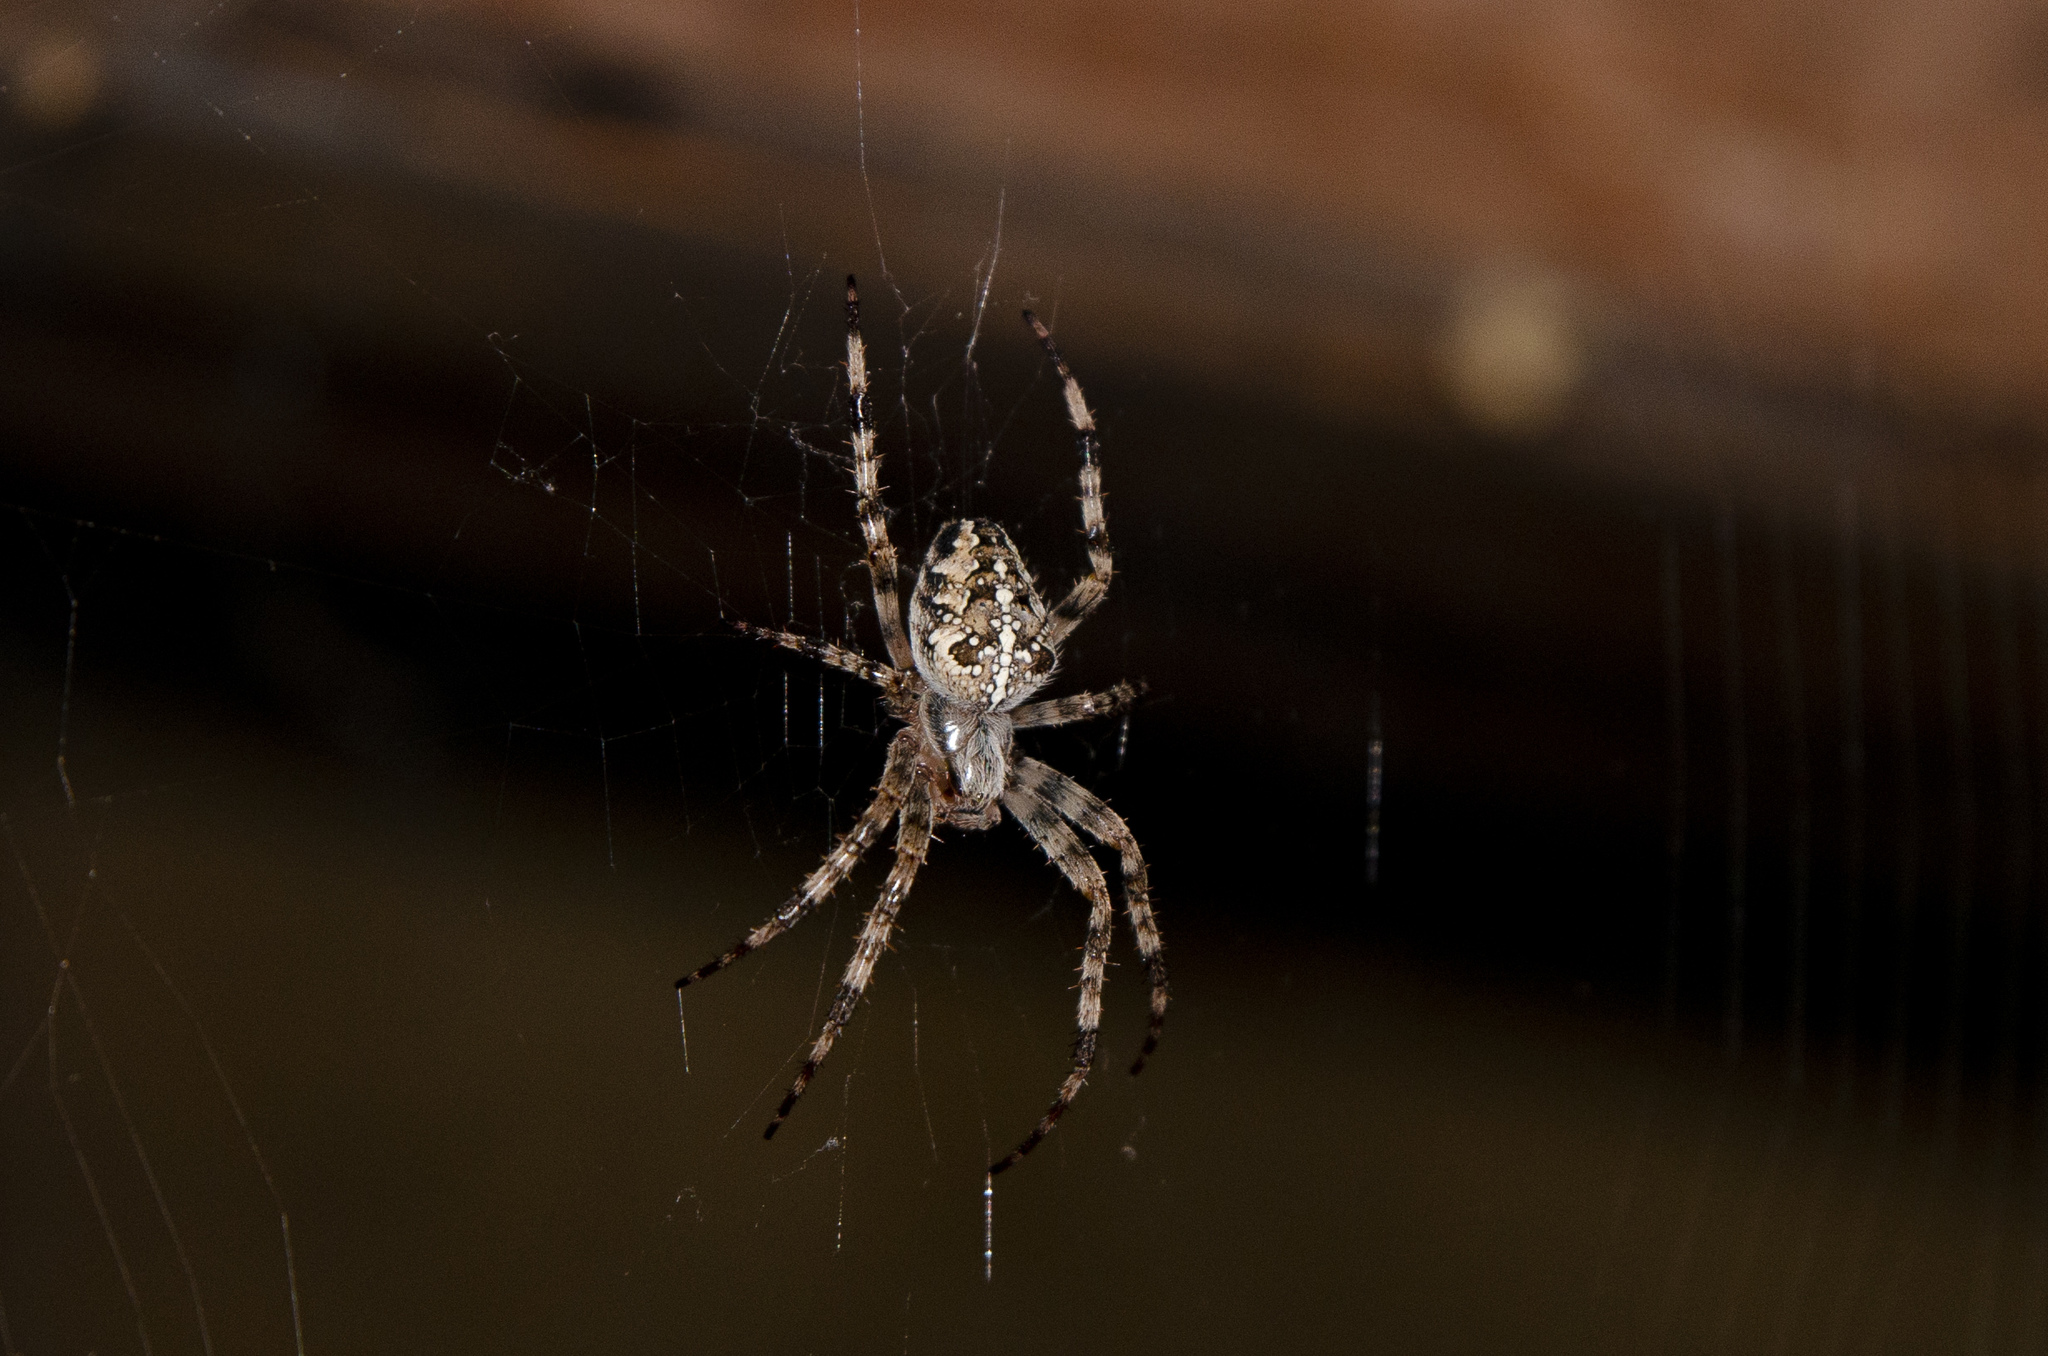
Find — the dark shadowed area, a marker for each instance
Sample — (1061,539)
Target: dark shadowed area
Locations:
(1577,486)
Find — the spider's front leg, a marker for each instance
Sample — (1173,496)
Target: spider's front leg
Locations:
(1090,589)
(897,685)
(867,487)
(1080,706)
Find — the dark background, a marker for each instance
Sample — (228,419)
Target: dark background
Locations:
(1627,430)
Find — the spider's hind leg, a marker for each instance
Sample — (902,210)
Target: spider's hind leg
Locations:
(1070,855)
(890,792)
(1105,825)
(913,839)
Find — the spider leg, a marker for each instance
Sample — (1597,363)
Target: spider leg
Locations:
(890,794)
(1064,847)
(913,839)
(894,682)
(1090,589)
(1080,706)
(867,488)
(1105,825)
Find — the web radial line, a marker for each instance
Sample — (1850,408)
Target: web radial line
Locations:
(92,1186)
(156,1191)
(291,1271)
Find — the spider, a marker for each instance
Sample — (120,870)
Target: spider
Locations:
(979,642)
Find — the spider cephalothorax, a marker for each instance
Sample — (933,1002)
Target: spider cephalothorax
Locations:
(979,643)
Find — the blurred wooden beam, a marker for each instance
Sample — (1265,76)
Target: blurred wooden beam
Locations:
(1748,251)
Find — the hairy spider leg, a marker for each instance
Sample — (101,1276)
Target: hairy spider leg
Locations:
(913,839)
(894,682)
(1090,589)
(867,487)
(1080,706)
(1066,851)
(898,776)
(1094,817)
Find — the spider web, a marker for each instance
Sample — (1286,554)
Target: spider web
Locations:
(554,677)
(380,755)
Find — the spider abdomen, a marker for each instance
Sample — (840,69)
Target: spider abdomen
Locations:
(976,621)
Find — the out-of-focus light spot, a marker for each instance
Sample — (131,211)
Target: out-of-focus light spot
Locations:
(1510,353)
(58,82)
